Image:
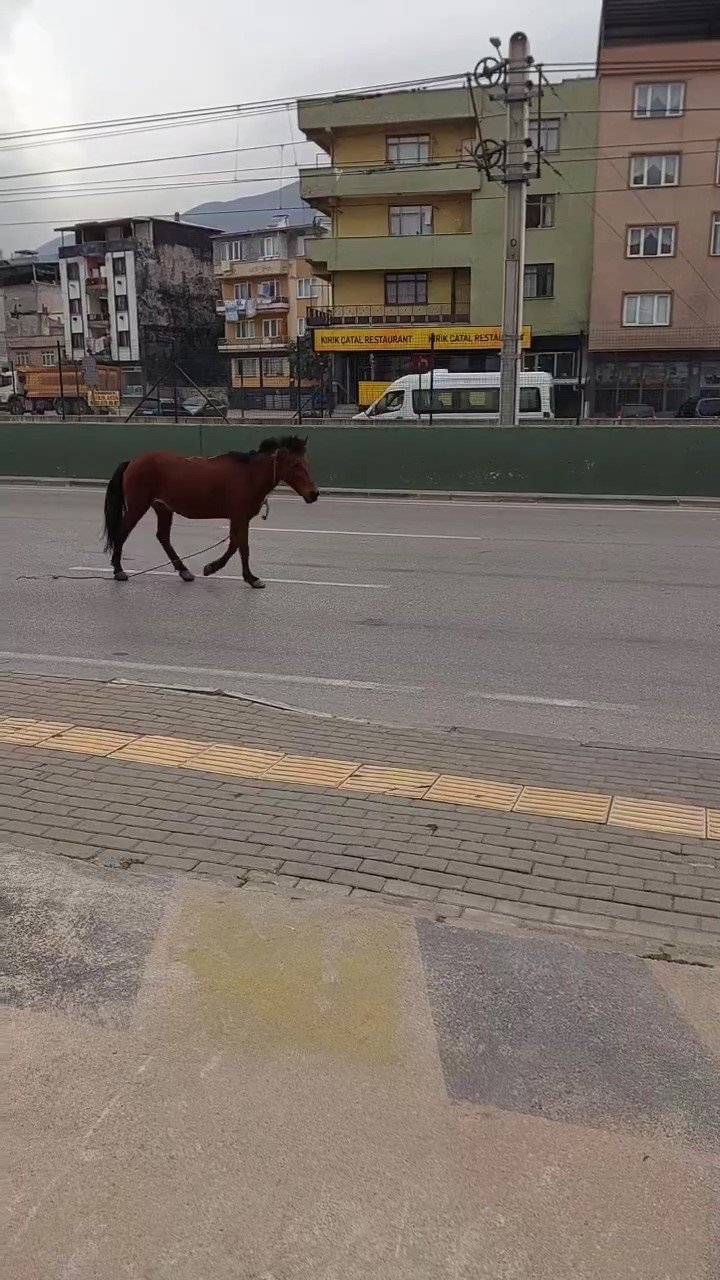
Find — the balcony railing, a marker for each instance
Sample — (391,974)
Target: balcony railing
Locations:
(254,344)
(96,282)
(388,313)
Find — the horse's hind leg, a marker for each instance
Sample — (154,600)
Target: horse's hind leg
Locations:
(133,514)
(164,519)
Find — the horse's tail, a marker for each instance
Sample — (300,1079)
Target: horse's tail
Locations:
(114,507)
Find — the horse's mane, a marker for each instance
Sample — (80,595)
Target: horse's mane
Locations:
(294,444)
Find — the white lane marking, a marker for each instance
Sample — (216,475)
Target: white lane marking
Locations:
(554,702)
(376,533)
(571,703)
(236,577)
(209,671)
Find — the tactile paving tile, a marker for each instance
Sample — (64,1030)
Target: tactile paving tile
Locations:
(317,772)
(242,762)
(483,792)
(158,750)
(583,806)
(91,742)
(411,783)
(29,732)
(658,815)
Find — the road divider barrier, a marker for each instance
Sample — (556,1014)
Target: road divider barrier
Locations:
(657,461)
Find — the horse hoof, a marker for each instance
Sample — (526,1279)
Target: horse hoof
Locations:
(207,570)
(256,583)
(186,575)
(120,575)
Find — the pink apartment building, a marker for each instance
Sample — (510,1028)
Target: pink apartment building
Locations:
(655,306)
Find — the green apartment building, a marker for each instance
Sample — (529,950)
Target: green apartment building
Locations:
(417,232)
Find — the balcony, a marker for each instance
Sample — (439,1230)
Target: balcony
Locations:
(389,253)
(99,322)
(401,112)
(254,344)
(240,269)
(327,184)
(272,304)
(95,248)
(96,282)
(379,313)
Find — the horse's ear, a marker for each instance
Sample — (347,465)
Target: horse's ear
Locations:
(305,442)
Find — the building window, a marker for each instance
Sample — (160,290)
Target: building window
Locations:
(540,211)
(245,329)
(269,247)
(49,358)
(21,357)
(653,100)
(300,247)
(654,171)
(411,220)
(650,242)
(271,328)
(247,368)
(73,271)
(307,287)
(406,288)
(559,364)
(123,338)
(242,291)
(717,168)
(715,235)
(78,343)
(409,149)
(545,135)
(301,327)
(644,310)
(75,307)
(276,367)
(119,264)
(539,281)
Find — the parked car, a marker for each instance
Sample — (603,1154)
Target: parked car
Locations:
(700,407)
(628,411)
(165,409)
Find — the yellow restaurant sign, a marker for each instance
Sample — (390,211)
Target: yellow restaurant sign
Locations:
(415,338)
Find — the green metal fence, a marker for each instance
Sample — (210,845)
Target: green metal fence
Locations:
(653,461)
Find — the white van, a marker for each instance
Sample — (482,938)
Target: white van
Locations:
(464,397)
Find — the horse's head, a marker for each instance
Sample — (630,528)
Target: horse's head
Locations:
(292,467)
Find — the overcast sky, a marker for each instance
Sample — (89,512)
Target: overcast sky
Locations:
(62,64)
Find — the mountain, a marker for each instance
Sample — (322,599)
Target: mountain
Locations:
(246,213)
(251,213)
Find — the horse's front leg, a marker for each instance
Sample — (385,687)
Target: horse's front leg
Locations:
(244,548)
(222,560)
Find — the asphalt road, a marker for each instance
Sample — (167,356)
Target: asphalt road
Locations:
(584,623)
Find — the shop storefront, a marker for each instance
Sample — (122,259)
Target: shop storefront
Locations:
(660,380)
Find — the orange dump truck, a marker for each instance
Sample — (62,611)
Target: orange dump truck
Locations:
(38,390)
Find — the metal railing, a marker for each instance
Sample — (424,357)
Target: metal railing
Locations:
(388,313)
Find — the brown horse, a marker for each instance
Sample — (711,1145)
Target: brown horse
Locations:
(232,486)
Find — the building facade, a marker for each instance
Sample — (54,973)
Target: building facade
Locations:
(136,291)
(417,232)
(655,311)
(267,288)
(32,307)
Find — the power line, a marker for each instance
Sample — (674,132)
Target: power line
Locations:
(357,166)
(278,208)
(229,111)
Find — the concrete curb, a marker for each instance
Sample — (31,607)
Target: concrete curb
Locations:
(439,495)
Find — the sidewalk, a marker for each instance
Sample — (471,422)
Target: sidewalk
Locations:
(502,833)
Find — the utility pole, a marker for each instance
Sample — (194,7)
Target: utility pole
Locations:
(517,101)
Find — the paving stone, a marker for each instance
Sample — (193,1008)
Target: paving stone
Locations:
(440,879)
(408,889)
(358,880)
(459,898)
(393,870)
(306,870)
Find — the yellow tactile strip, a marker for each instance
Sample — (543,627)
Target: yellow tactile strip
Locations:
(246,761)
